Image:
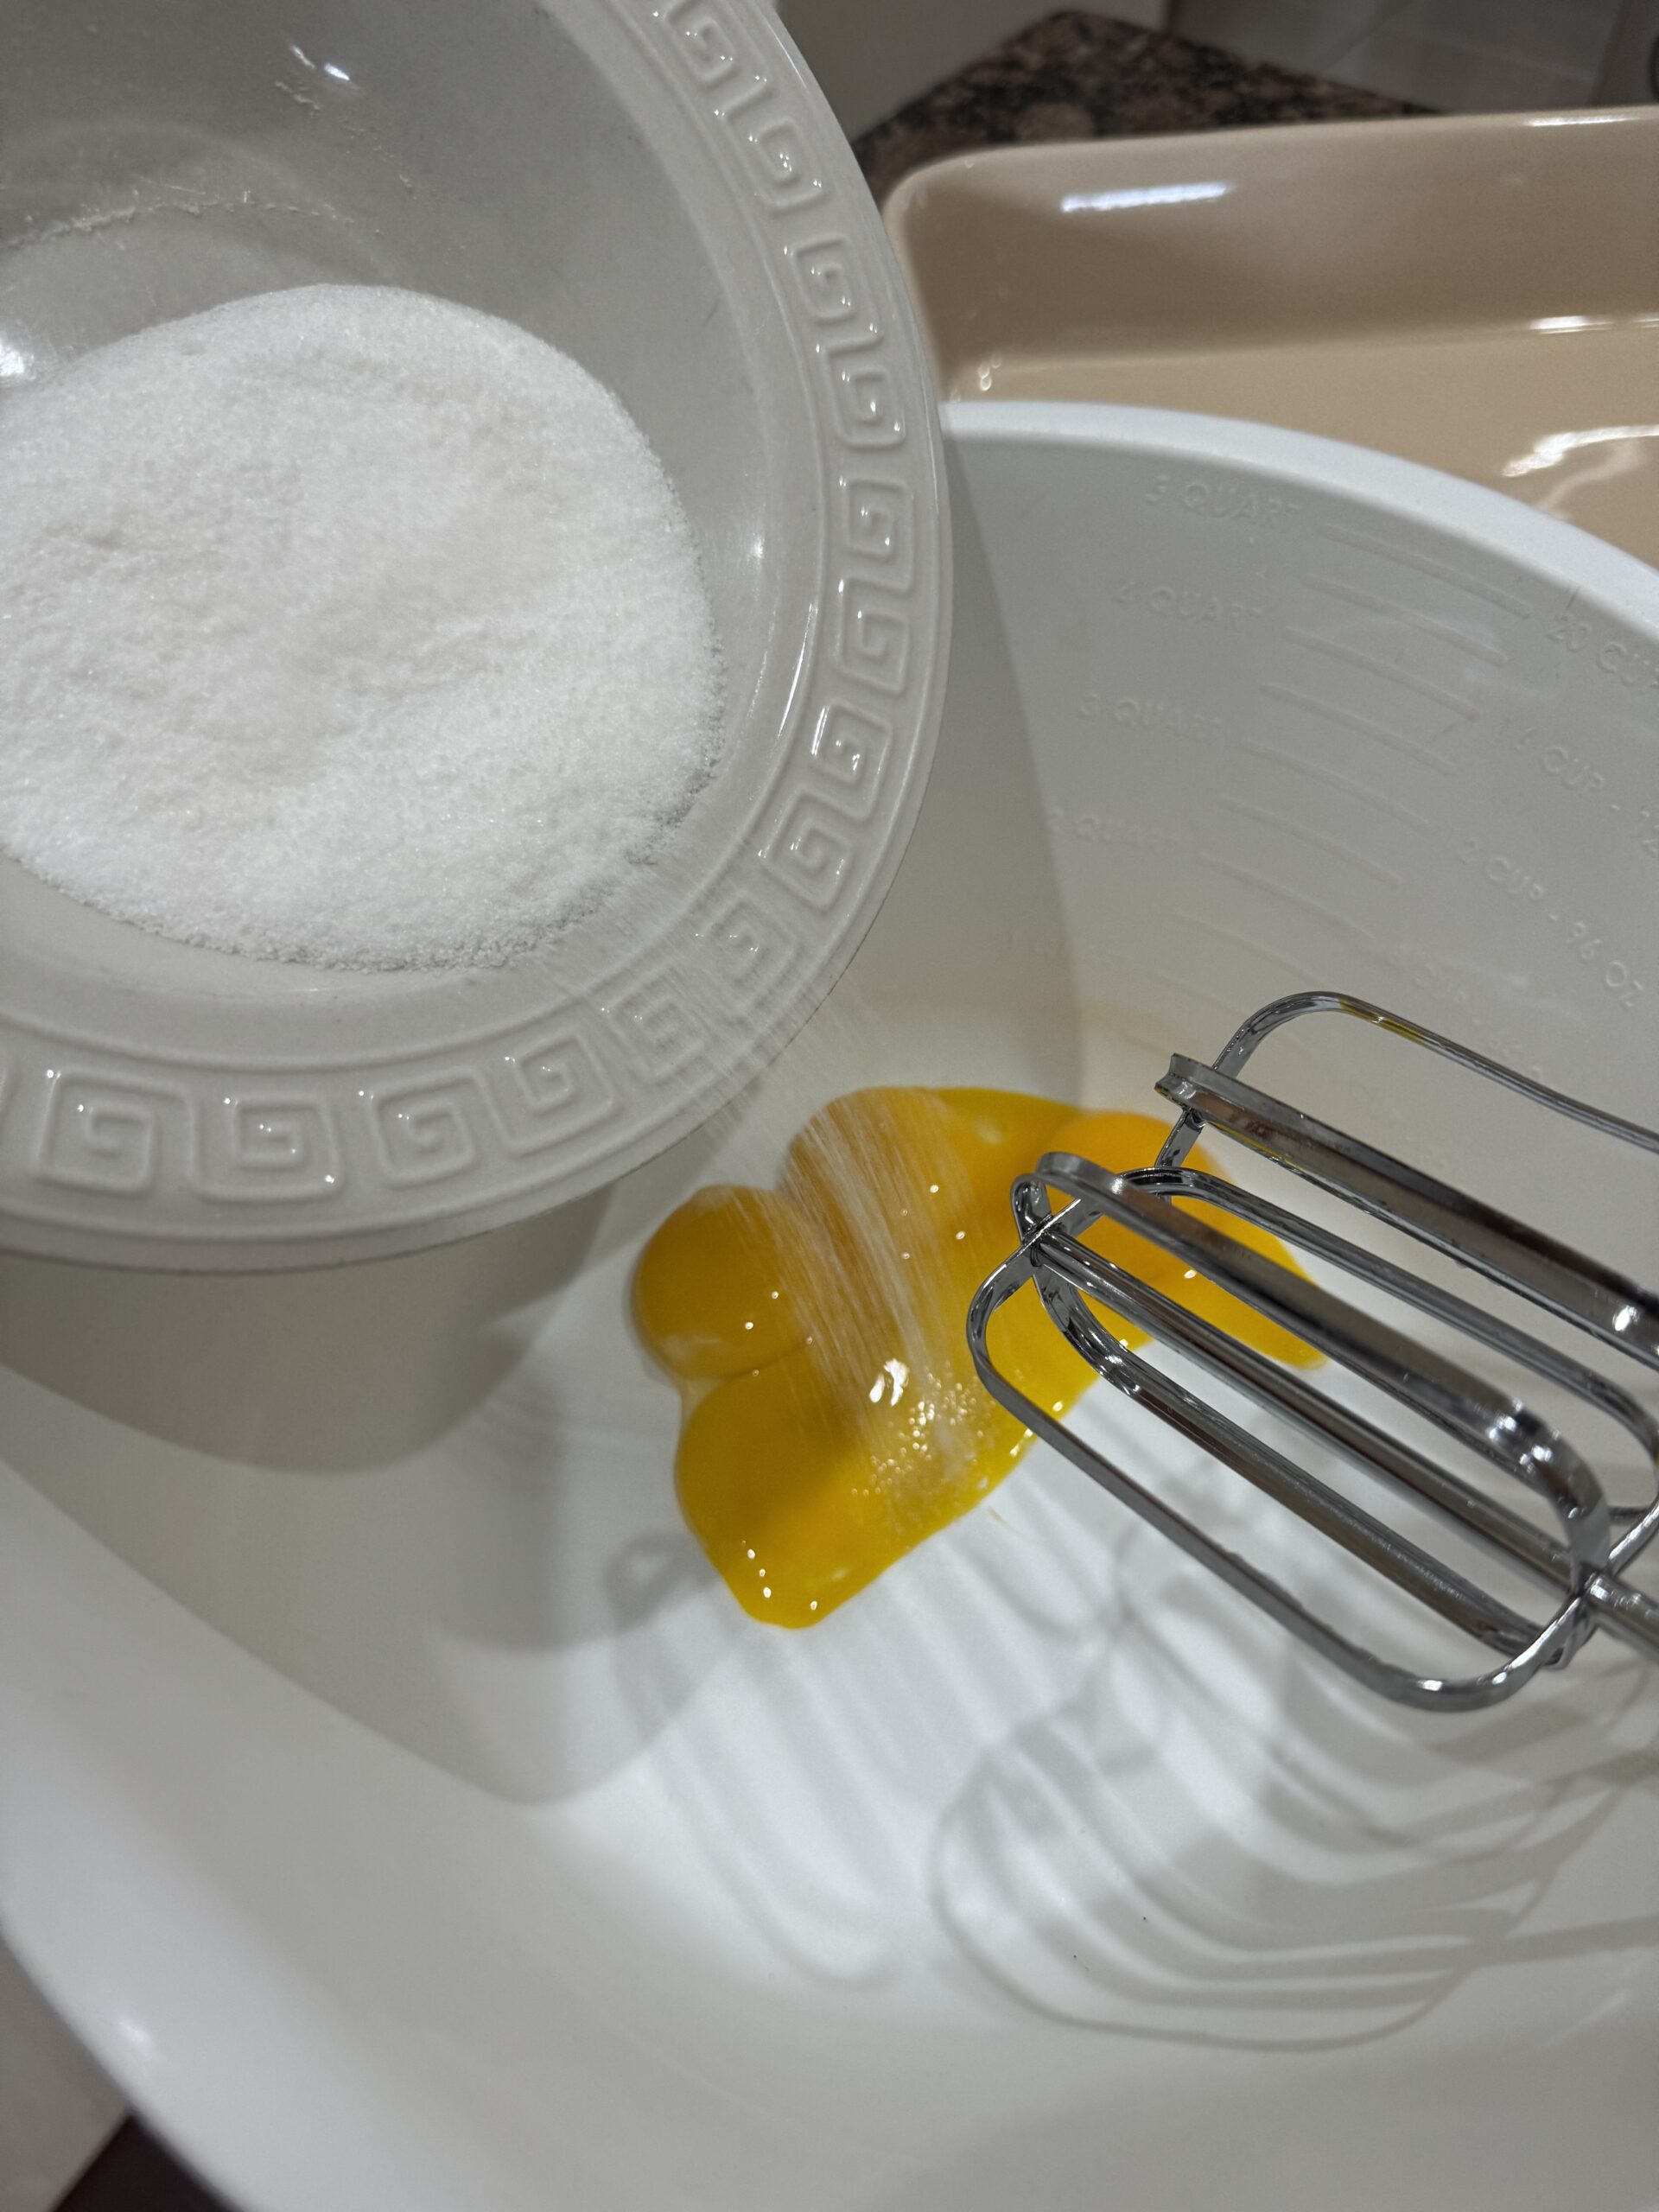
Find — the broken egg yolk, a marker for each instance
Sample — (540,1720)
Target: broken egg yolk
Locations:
(832,1415)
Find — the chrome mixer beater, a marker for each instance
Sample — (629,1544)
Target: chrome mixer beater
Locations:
(1581,1559)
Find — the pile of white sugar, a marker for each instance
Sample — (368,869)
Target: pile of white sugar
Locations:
(343,625)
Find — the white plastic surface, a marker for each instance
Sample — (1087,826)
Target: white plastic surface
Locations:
(396,1803)
(660,191)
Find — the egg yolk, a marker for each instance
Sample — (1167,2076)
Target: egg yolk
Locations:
(832,1415)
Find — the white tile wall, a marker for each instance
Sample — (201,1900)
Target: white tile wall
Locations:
(1568,34)
(1405,64)
(1629,70)
(1461,55)
(1296,34)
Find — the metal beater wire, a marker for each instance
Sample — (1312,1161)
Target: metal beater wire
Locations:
(1582,1564)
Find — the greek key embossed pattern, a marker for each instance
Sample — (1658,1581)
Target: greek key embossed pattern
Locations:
(256,1156)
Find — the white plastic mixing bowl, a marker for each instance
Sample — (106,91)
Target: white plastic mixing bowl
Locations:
(407,1816)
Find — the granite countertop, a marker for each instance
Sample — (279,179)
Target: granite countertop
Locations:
(1079,75)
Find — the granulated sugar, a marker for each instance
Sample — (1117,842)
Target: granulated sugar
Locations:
(343,625)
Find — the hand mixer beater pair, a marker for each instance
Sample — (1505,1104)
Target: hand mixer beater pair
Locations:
(1583,1562)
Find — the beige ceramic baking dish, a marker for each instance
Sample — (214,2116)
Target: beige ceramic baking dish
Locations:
(1481,293)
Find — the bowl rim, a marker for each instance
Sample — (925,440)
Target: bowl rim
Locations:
(1487,519)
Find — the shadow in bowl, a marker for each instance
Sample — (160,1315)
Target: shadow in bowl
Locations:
(326,1372)
(1214,1840)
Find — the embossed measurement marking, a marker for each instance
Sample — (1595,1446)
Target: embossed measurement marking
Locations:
(1448,633)
(1337,649)
(1577,935)
(1361,724)
(1306,834)
(1636,667)
(1321,772)
(1425,564)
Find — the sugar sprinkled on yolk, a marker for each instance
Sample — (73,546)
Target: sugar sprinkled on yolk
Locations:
(833,1419)
(722,1286)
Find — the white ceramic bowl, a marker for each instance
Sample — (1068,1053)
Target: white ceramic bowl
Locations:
(397,1805)
(663,192)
